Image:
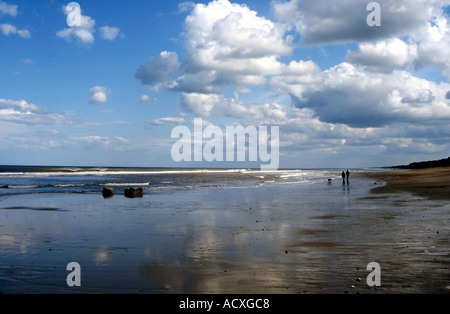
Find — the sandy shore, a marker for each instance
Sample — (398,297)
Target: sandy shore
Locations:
(432,183)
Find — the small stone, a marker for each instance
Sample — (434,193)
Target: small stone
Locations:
(108,192)
(132,193)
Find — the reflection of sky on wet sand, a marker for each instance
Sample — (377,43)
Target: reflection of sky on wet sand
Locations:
(271,240)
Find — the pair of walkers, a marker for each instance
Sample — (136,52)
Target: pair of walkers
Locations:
(345,176)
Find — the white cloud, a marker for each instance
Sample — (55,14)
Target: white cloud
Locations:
(213,105)
(234,41)
(27,61)
(156,70)
(322,22)
(385,55)
(24,33)
(109,33)
(201,104)
(185,6)
(228,45)
(8,29)
(83,33)
(115,143)
(435,43)
(350,95)
(99,95)
(22,112)
(8,9)
(296,78)
(168,121)
(144,98)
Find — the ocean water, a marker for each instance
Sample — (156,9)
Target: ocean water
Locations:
(17,180)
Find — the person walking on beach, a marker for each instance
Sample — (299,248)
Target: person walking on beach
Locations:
(348,175)
(343,177)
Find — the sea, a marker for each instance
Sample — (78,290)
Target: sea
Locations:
(17,180)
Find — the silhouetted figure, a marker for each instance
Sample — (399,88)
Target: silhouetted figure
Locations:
(348,175)
(343,177)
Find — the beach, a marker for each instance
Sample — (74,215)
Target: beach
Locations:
(433,183)
(288,233)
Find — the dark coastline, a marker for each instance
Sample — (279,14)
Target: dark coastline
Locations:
(425,164)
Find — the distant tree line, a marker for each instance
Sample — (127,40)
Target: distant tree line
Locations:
(426,164)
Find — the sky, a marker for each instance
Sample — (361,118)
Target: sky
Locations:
(109,89)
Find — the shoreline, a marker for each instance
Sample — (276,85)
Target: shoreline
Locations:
(432,183)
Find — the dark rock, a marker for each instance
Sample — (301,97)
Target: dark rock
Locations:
(4,187)
(132,192)
(108,192)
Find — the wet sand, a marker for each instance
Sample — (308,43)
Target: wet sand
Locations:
(433,183)
(316,238)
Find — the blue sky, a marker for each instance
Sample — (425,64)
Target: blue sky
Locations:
(110,91)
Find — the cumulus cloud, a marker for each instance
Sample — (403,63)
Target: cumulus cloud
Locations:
(109,33)
(412,31)
(83,33)
(435,42)
(213,105)
(8,29)
(201,104)
(296,78)
(156,70)
(99,95)
(322,22)
(22,112)
(8,9)
(234,42)
(385,55)
(348,94)
(228,45)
